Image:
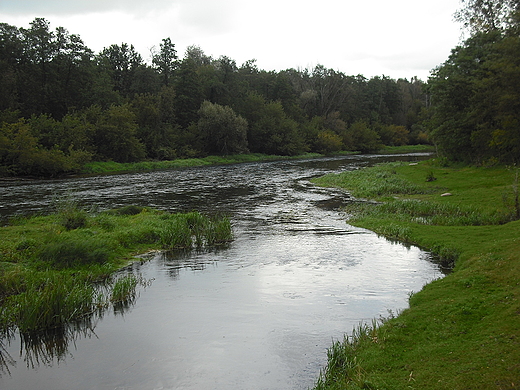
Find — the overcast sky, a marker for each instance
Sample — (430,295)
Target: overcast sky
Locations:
(396,38)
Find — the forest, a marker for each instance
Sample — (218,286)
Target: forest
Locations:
(62,105)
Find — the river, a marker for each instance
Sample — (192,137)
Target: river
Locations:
(259,314)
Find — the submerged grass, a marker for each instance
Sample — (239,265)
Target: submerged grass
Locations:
(461,331)
(49,270)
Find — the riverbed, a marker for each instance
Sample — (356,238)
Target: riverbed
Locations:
(257,314)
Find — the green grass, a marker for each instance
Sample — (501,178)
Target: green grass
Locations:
(49,268)
(461,331)
(113,167)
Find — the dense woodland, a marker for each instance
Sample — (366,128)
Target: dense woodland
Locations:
(62,105)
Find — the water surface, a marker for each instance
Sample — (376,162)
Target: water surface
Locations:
(258,314)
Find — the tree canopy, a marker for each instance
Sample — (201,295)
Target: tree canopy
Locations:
(70,104)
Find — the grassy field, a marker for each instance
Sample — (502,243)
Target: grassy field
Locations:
(461,331)
(56,269)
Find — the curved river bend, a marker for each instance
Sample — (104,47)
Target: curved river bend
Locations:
(257,315)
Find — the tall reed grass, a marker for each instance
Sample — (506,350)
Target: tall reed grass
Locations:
(51,301)
(183,231)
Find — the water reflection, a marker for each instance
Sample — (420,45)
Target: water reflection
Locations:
(51,347)
(257,314)
(45,348)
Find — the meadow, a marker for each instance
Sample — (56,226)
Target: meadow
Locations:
(460,331)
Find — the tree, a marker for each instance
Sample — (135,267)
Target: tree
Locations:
(271,131)
(222,130)
(166,60)
(188,93)
(11,53)
(122,63)
(362,138)
(488,15)
(116,134)
(475,100)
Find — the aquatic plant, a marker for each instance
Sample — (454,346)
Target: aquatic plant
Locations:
(49,302)
(49,274)
(183,231)
(176,234)
(219,231)
(123,290)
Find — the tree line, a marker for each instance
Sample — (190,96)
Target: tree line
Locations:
(62,105)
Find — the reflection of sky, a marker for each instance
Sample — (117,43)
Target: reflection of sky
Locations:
(257,315)
(255,319)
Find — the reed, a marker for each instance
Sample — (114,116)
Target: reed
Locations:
(219,231)
(50,302)
(193,229)
(123,290)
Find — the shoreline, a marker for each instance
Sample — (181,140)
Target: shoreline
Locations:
(460,331)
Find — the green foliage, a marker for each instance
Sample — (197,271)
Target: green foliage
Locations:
(116,135)
(380,181)
(183,231)
(124,290)
(67,253)
(362,138)
(475,99)
(50,301)
(75,106)
(222,130)
(328,142)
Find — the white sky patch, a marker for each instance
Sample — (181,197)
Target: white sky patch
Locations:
(402,38)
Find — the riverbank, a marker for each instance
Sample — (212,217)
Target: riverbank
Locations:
(106,167)
(52,265)
(461,331)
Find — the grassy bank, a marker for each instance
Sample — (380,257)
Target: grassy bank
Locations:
(462,331)
(102,167)
(113,167)
(51,266)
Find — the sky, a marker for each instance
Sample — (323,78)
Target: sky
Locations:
(394,38)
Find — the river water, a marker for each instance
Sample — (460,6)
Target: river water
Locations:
(259,314)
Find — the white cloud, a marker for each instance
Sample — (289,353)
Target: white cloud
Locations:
(402,38)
